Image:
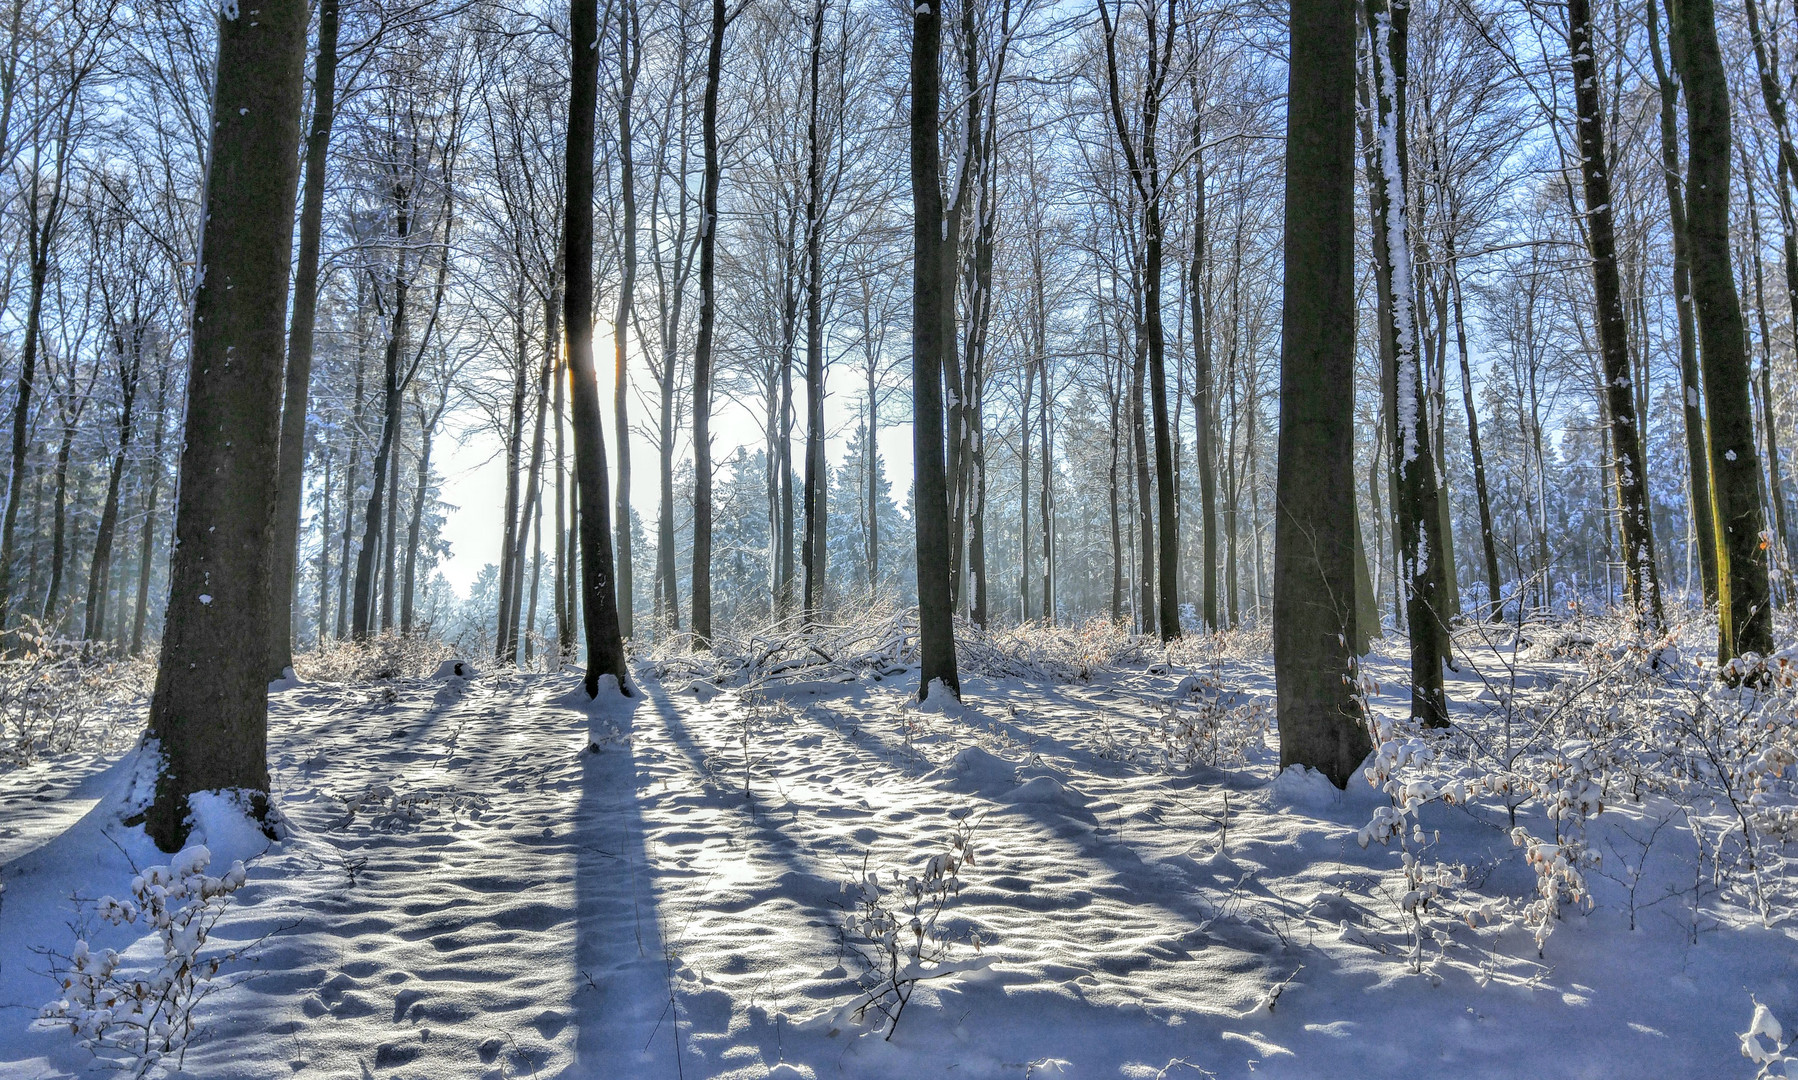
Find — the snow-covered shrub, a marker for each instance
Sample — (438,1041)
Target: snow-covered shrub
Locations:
(1764,1043)
(59,695)
(894,930)
(387,656)
(144,1018)
(1204,724)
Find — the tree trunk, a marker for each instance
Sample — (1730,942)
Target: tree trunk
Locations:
(933,304)
(362,618)
(209,713)
(1145,506)
(1201,394)
(100,566)
(702,348)
(324,555)
(298,383)
(40,272)
(1419,520)
(1320,717)
(59,524)
(1046,501)
(349,485)
(563,593)
(409,576)
(533,485)
(599,603)
(1697,459)
(506,650)
(1640,575)
(1769,429)
(630,59)
(1488,540)
(812,544)
(147,540)
(1744,619)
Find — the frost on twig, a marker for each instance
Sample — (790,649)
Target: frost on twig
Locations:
(144,1018)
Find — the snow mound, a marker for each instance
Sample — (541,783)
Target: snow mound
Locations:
(938,699)
(1049,791)
(225,824)
(455,669)
(973,769)
(287,681)
(1304,787)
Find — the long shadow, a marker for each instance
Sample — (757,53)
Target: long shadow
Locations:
(623,999)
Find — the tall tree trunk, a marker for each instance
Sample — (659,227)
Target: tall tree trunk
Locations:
(1419,520)
(324,555)
(350,481)
(564,590)
(147,539)
(599,603)
(209,713)
(409,576)
(1145,505)
(1744,620)
(933,303)
(100,566)
(362,618)
(506,649)
(1488,539)
(630,59)
(59,523)
(40,237)
(872,448)
(390,542)
(1697,459)
(1780,551)
(533,486)
(1314,614)
(1146,175)
(1640,575)
(1203,452)
(812,555)
(1046,501)
(292,451)
(702,347)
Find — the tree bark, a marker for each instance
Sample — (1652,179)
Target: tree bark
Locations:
(630,59)
(362,618)
(130,347)
(702,347)
(1744,618)
(1697,458)
(1640,575)
(147,540)
(812,544)
(933,342)
(1419,519)
(298,385)
(599,603)
(209,713)
(1320,717)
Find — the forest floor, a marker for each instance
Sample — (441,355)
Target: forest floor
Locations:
(491,877)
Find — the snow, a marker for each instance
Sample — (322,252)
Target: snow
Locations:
(488,875)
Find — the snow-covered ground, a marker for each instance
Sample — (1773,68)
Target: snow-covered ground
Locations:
(468,890)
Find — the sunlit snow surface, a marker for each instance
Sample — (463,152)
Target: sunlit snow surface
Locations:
(469,891)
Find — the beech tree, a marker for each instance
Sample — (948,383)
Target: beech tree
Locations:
(1314,550)
(599,600)
(209,713)
(1744,613)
